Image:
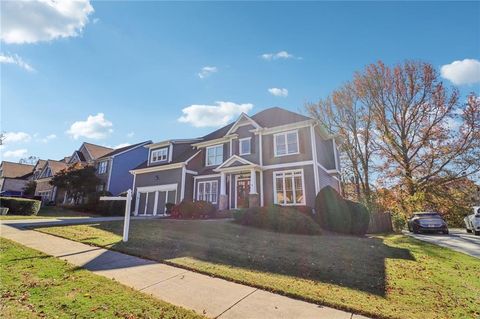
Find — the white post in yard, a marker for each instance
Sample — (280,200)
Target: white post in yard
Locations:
(126,223)
(128,202)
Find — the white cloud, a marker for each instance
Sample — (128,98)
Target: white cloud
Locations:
(122,145)
(43,20)
(278,92)
(213,115)
(206,71)
(278,55)
(48,138)
(131,134)
(16,137)
(462,72)
(16,60)
(15,153)
(95,127)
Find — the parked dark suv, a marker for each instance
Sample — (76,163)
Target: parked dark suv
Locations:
(427,222)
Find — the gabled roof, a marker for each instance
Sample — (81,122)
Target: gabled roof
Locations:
(271,117)
(233,162)
(124,149)
(76,154)
(40,165)
(55,166)
(96,151)
(16,170)
(276,116)
(245,118)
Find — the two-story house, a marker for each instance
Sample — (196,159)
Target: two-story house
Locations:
(113,168)
(87,154)
(273,157)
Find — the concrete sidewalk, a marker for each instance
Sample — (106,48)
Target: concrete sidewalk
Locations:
(212,297)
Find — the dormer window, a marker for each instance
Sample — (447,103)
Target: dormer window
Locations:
(214,155)
(244,146)
(159,155)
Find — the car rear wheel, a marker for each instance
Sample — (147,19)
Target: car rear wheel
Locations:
(445,232)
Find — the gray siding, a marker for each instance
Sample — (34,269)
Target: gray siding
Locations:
(327,179)
(305,149)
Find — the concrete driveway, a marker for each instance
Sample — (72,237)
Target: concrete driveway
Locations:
(458,240)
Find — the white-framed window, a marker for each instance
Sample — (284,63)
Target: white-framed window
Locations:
(214,155)
(208,191)
(245,145)
(47,172)
(286,143)
(289,188)
(102,167)
(159,155)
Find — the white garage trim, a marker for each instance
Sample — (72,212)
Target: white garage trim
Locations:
(153,189)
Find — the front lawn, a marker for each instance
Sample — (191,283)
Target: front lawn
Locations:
(390,276)
(48,212)
(34,285)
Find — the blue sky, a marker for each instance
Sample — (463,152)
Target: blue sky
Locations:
(132,67)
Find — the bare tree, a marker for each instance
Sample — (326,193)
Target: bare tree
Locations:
(425,136)
(345,115)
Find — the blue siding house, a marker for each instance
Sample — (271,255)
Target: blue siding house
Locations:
(113,168)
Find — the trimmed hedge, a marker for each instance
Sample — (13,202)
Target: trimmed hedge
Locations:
(332,211)
(360,218)
(96,206)
(20,206)
(193,210)
(277,218)
(337,214)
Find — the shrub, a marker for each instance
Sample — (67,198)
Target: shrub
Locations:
(197,209)
(277,218)
(20,206)
(398,222)
(360,216)
(332,211)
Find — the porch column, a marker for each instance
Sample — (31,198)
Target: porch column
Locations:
(223,199)
(253,182)
(253,196)
(137,203)
(155,205)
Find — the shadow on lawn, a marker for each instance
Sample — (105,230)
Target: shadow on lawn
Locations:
(353,262)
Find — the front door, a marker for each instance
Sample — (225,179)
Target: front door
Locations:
(243,189)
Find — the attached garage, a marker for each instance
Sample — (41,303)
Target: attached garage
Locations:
(152,200)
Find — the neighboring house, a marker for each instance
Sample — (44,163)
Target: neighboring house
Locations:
(48,192)
(87,154)
(113,168)
(14,177)
(37,169)
(273,157)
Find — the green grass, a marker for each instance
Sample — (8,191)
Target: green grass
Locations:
(390,276)
(34,285)
(48,212)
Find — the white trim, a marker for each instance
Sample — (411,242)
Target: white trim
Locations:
(335,154)
(286,143)
(146,203)
(170,152)
(191,172)
(160,188)
(232,159)
(260,151)
(206,176)
(220,140)
(293,187)
(192,157)
(314,156)
(285,165)
(133,184)
(155,204)
(237,124)
(231,147)
(156,168)
(206,154)
(144,144)
(110,168)
(98,168)
(89,154)
(249,139)
(182,187)
(286,127)
(211,182)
